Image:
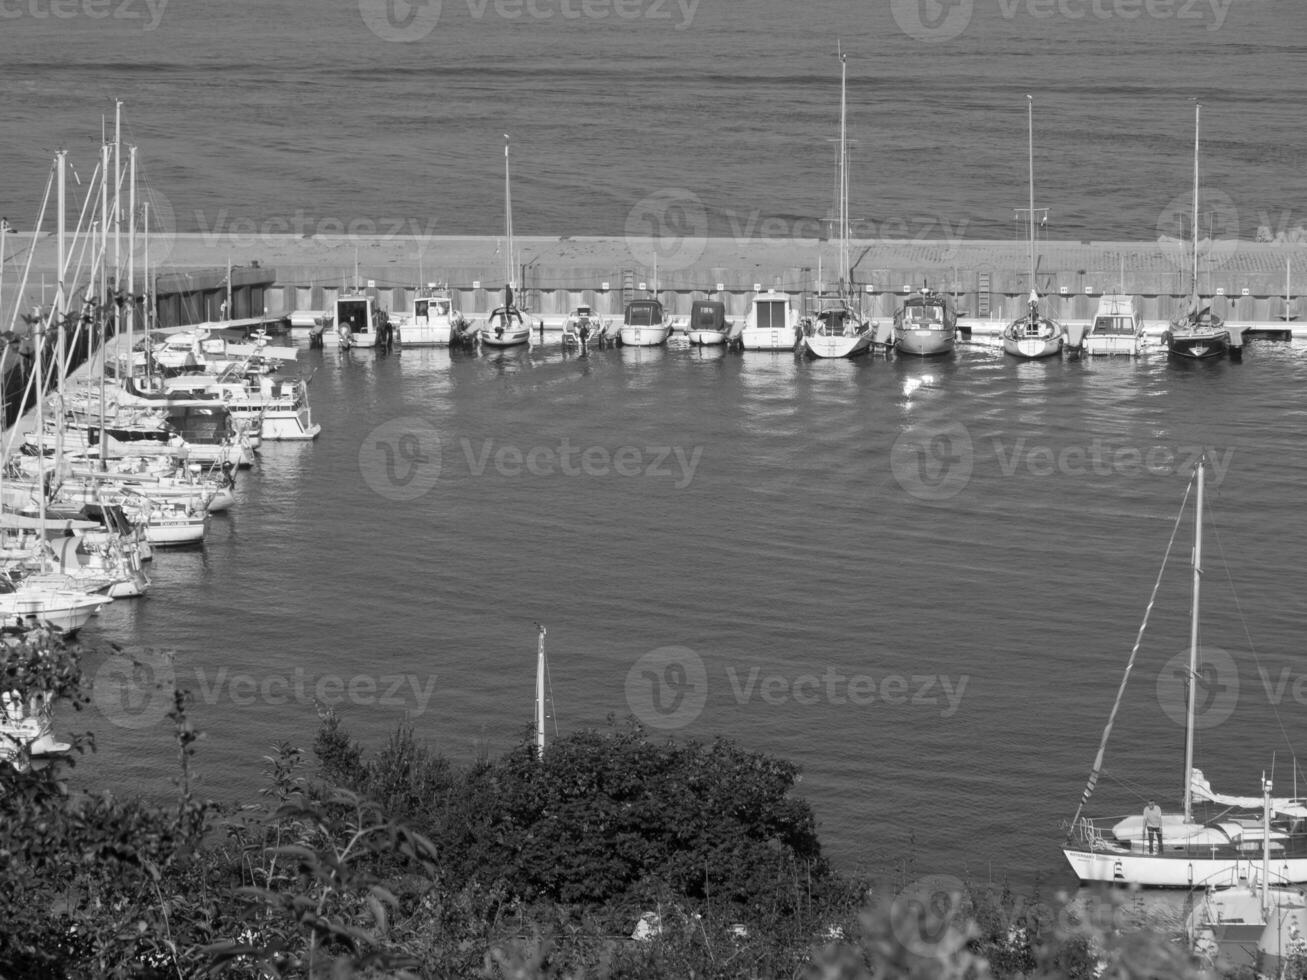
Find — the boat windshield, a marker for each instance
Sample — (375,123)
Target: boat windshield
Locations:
(643,315)
(1114,325)
(925,316)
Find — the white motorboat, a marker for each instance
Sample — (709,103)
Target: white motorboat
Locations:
(584,326)
(169,525)
(358,321)
(431,322)
(53,600)
(644,324)
(771,324)
(1033,335)
(1117,327)
(708,326)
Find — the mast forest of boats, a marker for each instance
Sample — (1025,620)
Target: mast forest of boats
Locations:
(133,450)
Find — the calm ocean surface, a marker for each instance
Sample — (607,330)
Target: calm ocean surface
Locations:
(289,114)
(791,560)
(986,631)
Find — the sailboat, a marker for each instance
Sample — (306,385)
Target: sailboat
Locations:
(1197,334)
(836,329)
(1195,852)
(1033,335)
(506,326)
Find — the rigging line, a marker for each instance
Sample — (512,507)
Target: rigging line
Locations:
(1243,622)
(1134,653)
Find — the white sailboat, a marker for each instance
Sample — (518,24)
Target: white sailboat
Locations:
(542,684)
(1197,334)
(1033,335)
(1195,852)
(837,329)
(506,326)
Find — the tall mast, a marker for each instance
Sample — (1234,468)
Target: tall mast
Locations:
(1193,646)
(508,220)
(109,297)
(844,181)
(1193,297)
(131,262)
(1030,151)
(540,693)
(117,184)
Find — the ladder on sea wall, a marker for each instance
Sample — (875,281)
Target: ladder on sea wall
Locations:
(982,294)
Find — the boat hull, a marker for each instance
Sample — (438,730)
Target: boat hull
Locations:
(767,338)
(644,336)
(820,345)
(1196,347)
(706,338)
(923,343)
(1033,348)
(66,612)
(1180,870)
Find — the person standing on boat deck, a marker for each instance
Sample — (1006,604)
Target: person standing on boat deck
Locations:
(1153,825)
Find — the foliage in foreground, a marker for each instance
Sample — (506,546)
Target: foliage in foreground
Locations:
(404,864)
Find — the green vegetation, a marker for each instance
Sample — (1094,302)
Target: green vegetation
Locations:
(400,863)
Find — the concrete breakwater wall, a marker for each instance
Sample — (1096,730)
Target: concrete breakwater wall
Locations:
(282,274)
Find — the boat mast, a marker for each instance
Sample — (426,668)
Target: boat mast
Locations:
(1193,296)
(1030,153)
(540,693)
(508,225)
(844,180)
(1193,647)
(131,268)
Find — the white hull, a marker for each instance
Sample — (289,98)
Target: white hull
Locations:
(505,338)
(819,345)
(769,338)
(1181,871)
(1033,348)
(644,336)
(430,335)
(706,338)
(1112,346)
(63,610)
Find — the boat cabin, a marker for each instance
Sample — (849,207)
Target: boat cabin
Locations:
(1118,326)
(708,314)
(425,307)
(358,313)
(644,313)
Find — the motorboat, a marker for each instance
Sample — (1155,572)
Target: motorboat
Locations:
(772,323)
(1117,327)
(925,325)
(708,326)
(644,324)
